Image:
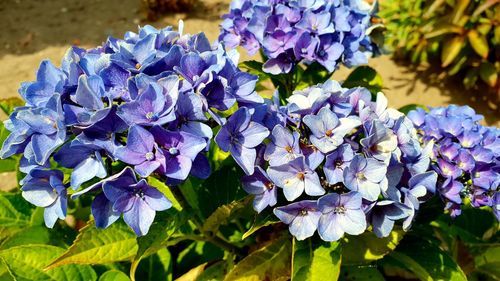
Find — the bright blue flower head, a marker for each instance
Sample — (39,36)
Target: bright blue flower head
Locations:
(342,162)
(329,32)
(465,155)
(149,102)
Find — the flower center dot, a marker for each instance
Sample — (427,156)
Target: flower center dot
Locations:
(288,149)
(269,185)
(338,163)
(173,151)
(301,176)
(303,212)
(360,176)
(329,133)
(138,66)
(339,210)
(150,156)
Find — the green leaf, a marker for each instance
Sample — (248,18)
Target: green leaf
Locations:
(479,43)
(471,226)
(28,262)
(214,272)
(155,267)
(271,262)
(255,68)
(313,75)
(100,246)
(314,261)
(29,235)
(196,253)
(163,188)
(224,214)
(114,275)
(489,261)
(488,73)
(407,108)
(451,48)
(357,273)
(9,164)
(261,220)
(426,260)
(7,105)
(366,248)
(13,211)
(364,76)
(165,225)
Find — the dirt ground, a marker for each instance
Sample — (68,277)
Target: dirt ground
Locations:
(33,30)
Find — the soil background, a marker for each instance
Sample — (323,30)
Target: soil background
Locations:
(33,30)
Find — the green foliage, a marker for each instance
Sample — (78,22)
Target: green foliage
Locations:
(114,275)
(426,260)
(366,248)
(261,220)
(100,246)
(27,262)
(9,104)
(364,76)
(271,262)
(463,34)
(315,260)
(358,273)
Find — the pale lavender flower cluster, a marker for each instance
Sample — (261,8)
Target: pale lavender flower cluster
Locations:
(329,32)
(334,162)
(465,154)
(148,101)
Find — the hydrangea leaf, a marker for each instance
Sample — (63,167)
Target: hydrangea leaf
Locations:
(313,261)
(225,213)
(165,225)
(314,74)
(28,262)
(271,262)
(9,164)
(355,273)
(488,261)
(163,188)
(451,49)
(7,105)
(365,248)
(99,246)
(13,211)
(206,272)
(409,107)
(114,275)
(197,253)
(426,260)
(479,43)
(155,267)
(488,73)
(261,220)
(364,76)
(27,236)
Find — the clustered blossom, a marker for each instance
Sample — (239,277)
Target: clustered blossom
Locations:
(329,32)
(148,101)
(341,161)
(465,154)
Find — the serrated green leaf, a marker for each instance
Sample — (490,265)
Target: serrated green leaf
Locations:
(114,275)
(10,216)
(271,262)
(163,188)
(28,262)
(366,248)
(314,261)
(364,76)
(7,105)
(155,267)
(261,220)
(426,260)
(224,214)
(488,261)
(451,48)
(479,43)
(30,235)
(358,273)
(100,246)
(488,73)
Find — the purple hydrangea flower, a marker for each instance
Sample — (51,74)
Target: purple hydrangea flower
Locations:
(340,214)
(291,32)
(45,188)
(240,136)
(265,191)
(302,218)
(466,155)
(366,176)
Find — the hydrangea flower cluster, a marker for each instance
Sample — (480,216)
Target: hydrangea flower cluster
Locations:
(329,32)
(465,154)
(334,162)
(147,102)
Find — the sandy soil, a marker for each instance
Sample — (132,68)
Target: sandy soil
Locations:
(33,30)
